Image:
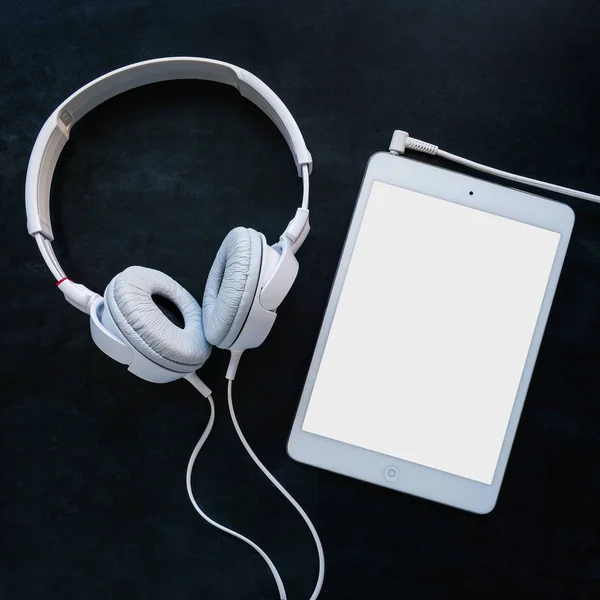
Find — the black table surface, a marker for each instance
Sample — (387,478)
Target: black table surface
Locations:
(92,496)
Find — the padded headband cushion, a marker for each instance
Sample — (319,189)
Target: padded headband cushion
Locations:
(129,300)
(231,286)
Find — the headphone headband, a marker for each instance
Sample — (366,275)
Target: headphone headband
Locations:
(55,133)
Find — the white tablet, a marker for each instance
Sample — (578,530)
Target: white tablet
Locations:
(432,330)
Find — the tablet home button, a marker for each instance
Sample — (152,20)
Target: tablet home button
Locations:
(391,473)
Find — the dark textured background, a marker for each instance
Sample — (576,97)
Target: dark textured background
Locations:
(92,496)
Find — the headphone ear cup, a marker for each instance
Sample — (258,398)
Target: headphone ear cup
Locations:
(231,286)
(128,297)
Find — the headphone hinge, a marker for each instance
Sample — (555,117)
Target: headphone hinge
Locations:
(78,295)
(296,231)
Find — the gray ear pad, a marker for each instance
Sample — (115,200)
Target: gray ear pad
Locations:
(231,286)
(128,297)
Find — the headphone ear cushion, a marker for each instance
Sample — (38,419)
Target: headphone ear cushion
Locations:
(231,286)
(128,298)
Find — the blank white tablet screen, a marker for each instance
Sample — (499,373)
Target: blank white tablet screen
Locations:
(431,332)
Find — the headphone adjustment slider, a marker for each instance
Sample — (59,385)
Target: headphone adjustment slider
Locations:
(78,295)
(297,230)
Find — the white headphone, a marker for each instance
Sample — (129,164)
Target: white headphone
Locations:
(248,280)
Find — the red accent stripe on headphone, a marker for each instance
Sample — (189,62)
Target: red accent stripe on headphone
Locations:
(61,280)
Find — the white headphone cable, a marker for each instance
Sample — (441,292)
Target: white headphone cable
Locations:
(401,141)
(283,491)
(197,383)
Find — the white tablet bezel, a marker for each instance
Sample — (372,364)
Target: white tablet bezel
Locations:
(388,471)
